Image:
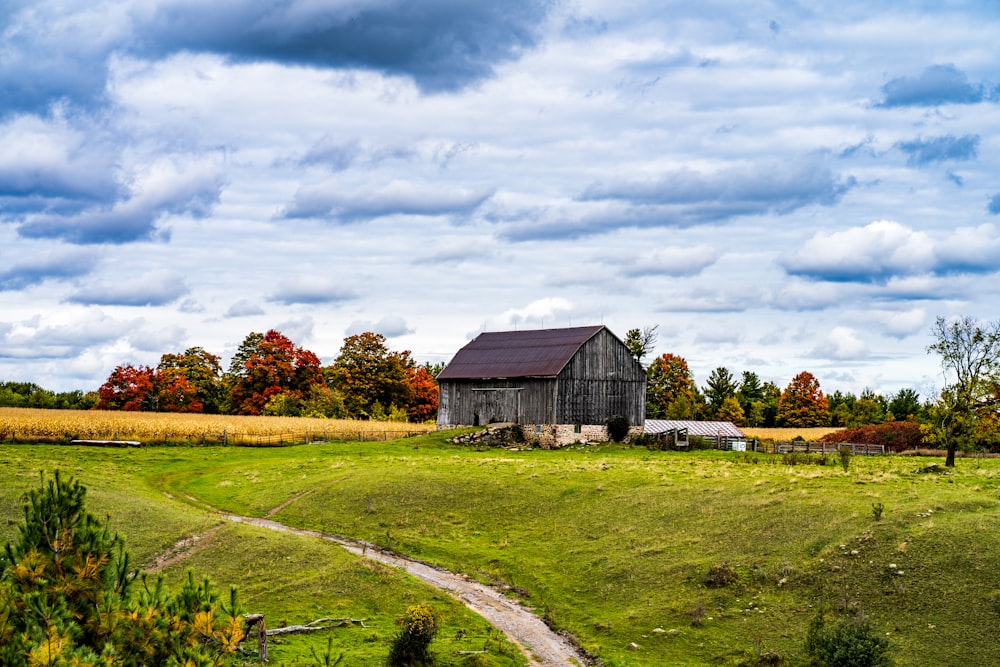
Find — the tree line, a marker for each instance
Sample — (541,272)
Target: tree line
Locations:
(965,415)
(271,375)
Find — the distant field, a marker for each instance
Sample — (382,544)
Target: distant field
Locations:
(32,424)
(775,434)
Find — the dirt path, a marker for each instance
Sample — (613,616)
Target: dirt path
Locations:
(542,646)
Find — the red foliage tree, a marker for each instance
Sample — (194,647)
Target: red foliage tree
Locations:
(802,403)
(129,387)
(176,394)
(190,382)
(424,404)
(270,365)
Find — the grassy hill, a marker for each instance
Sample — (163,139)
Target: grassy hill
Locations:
(648,558)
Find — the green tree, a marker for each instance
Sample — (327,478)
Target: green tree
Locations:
(870,408)
(367,373)
(841,406)
(67,597)
(641,342)
(670,389)
(750,390)
(904,405)
(721,385)
(802,403)
(970,360)
(772,397)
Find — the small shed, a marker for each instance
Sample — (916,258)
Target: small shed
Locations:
(725,435)
(560,385)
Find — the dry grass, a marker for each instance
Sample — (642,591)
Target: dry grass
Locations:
(57,425)
(775,434)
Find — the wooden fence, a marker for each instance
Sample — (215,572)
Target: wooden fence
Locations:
(307,438)
(858,449)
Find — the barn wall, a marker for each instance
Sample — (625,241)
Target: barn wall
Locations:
(518,400)
(601,381)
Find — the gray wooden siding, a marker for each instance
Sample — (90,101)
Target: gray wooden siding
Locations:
(519,400)
(601,381)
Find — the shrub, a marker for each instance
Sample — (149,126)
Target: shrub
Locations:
(848,642)
(896,436)
(618,428)
(411,646)
(845,457)
(721,575)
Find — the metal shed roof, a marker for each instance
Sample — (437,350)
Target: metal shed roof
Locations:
(705,429)
(510,354)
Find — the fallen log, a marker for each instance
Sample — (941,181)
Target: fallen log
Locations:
(314,626)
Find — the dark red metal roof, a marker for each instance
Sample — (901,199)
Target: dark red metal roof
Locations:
(512,354)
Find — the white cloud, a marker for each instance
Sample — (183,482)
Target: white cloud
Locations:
(391,326)
(547,313)
(631,164)
(842,343)
(671,261)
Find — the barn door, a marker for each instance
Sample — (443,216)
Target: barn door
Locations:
(496,405)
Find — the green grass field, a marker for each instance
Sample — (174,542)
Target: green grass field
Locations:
(611,543)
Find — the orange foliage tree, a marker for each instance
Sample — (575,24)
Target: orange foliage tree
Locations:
(802,403)
(424,404)
(670,389)
(267,365)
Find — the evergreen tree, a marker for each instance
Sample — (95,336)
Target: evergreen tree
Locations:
(69,597)
(721,385)
(750,391)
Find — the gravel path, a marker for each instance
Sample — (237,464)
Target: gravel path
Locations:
(542,646)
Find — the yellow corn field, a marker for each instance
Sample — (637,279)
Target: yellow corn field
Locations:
(811,434)
(32,424)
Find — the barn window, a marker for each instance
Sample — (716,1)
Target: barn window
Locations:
(577,428)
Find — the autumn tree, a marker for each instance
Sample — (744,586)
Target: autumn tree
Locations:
(670,389)
(371,377)
(266,365)
(190,382)
(730,411)
(130,388)
(970,360)
(802,403)
(424,403)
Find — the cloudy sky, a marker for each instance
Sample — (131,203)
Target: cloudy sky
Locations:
(779,186)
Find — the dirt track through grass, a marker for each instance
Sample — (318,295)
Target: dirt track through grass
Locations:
(542,646)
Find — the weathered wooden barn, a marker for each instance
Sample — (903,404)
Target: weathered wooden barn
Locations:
(560,385)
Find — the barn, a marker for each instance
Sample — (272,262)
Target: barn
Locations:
(560,385)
